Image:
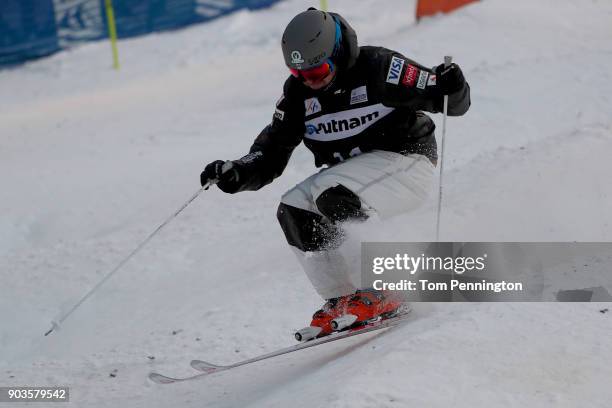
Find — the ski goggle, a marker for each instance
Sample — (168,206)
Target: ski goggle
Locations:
(321,71)
(315,73)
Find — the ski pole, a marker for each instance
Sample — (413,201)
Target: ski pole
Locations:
(56,323)
(447,61)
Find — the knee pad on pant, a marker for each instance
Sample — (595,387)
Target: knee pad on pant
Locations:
(340,204)
(303,229)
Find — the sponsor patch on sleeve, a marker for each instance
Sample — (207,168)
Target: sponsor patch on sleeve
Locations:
(432,80)
(410,76)
(279,114)
(249,158)
(395,70)
(422,82)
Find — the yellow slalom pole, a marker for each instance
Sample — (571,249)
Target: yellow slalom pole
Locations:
(324,5)
(112,32)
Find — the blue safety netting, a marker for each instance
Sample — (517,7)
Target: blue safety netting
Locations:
(34,28)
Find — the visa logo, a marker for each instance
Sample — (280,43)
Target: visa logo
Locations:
(393,76)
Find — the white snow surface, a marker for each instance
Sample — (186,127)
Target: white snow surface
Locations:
(92,160)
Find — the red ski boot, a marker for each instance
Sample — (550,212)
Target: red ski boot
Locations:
(322,318)
(368,305)
(341,313)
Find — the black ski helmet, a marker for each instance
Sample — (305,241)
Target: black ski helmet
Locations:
(310,38)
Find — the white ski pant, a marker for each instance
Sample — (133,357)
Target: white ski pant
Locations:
(383,182)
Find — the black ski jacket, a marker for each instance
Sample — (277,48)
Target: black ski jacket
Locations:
(375,102)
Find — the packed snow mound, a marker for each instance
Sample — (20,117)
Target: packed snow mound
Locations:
(93,160)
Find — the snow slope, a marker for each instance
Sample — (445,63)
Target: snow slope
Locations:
(92,160)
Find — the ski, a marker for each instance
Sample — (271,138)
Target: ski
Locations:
(206,368)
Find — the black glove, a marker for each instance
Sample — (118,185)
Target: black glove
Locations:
(225,174)
(449,79)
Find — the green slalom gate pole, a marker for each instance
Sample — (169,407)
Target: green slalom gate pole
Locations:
(324,5)
(112,32)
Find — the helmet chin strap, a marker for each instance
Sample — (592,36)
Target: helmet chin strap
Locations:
(332,83)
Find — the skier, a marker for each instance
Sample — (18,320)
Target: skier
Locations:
(360,111)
